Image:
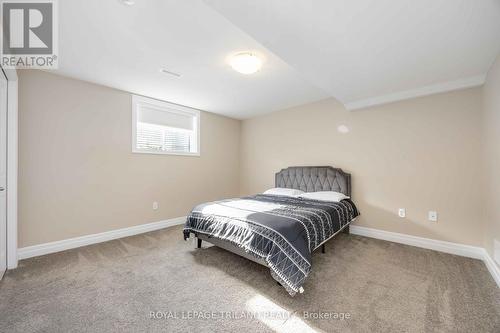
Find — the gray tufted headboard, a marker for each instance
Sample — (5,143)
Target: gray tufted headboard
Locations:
(315,178)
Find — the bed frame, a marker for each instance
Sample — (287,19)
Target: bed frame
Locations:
(307,179)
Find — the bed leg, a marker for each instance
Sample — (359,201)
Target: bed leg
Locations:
(199,243)
(323,249)
(346,230)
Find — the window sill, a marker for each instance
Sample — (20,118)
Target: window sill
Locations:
(136,151)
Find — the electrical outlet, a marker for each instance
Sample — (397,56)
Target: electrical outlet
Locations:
(155,205)
(433,216)
(402,212)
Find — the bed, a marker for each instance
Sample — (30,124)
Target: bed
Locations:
(279,232)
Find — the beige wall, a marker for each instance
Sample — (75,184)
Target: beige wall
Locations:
(421,154)
(77,175)
(491,118)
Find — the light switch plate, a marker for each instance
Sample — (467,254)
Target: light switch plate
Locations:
(402,212)
(433,216)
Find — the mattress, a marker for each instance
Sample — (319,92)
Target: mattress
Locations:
(280,231)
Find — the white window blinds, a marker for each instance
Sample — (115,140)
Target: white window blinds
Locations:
(165,128)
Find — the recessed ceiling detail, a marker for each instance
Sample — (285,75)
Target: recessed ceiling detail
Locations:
(363,53)
(370,52)
(126,47)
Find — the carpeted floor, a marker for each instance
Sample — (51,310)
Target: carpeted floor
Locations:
(156,281)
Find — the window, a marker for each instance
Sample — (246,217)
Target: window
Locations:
(164,128)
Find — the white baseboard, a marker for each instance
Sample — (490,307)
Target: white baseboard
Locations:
(492,267)
(71,243)
(432,244)
(426,243)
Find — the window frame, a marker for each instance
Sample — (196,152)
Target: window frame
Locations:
(137,101)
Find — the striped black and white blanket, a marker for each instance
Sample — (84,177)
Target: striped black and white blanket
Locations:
(284,231)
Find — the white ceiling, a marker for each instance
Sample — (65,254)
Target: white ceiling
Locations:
(361,52)
(368,52)
(124,47)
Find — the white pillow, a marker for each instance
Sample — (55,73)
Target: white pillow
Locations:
(324,196)
(288,192)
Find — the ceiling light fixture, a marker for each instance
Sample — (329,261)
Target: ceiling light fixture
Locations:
(246,63)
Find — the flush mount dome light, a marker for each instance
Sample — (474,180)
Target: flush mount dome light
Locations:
(246,63)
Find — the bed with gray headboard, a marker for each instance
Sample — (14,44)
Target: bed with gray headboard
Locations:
(280,232)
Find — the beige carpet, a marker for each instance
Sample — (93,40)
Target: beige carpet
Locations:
(376,286)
